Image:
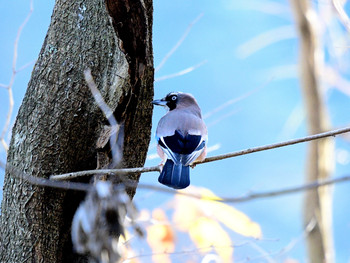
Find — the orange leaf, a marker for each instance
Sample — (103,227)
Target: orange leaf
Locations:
(186,212)
(160,237)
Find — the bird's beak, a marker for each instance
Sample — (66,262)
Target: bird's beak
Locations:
(161,102)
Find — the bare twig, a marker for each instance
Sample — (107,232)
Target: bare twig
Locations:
(116,151)
(178,44)
(342,14)
(277,145)
(39,181)
(336,80)
(180,73)
(26,66)
(290,190)
(56,183)
(265,39)
(307,229)
(209,159)
(183,252)
(122,171)
(234,100)
(9,86)
(220,118)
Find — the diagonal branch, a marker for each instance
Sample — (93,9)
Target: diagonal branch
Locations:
(181,72)
(107,111)
(178,44)
(9,86)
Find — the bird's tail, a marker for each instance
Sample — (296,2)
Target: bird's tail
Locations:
(175,175)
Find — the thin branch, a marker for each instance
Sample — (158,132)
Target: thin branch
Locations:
(248,197)
(54,182)
(234,100)
(183,252)
(220,118)
(180,73)
(277,145)
(98,97)
(26,66)
(265,39)
(14,61)
(178,44)
(290,190)
(342,14)
(123,171)
(307,229)
(9,86)
(44,182)
(72,175)
(335,79)
(116,152)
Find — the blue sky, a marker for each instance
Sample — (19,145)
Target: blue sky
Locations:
(270,111)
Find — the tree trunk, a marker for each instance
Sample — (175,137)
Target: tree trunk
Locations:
(320,159)
(59,122)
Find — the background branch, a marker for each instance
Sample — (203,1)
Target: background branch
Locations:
(14,72)
(178,44)
(56,183)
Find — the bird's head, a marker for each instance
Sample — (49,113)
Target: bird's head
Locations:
(176,100)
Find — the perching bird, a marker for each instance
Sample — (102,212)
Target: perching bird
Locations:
(182,137)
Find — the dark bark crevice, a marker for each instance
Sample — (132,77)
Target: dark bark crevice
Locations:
(132,22)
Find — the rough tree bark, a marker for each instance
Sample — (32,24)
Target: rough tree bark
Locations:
(320,159)
(59,122)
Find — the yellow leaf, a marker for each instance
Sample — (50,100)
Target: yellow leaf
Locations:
(234,219)
(185,212)
(207,233)
(228,215)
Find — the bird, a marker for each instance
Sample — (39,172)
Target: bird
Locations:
(182,137)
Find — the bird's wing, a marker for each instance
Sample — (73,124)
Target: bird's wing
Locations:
(175,157)
(182,149)
(190,158)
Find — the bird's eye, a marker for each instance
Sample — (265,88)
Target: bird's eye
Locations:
(173,98)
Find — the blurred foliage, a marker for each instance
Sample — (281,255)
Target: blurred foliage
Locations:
(205,221)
